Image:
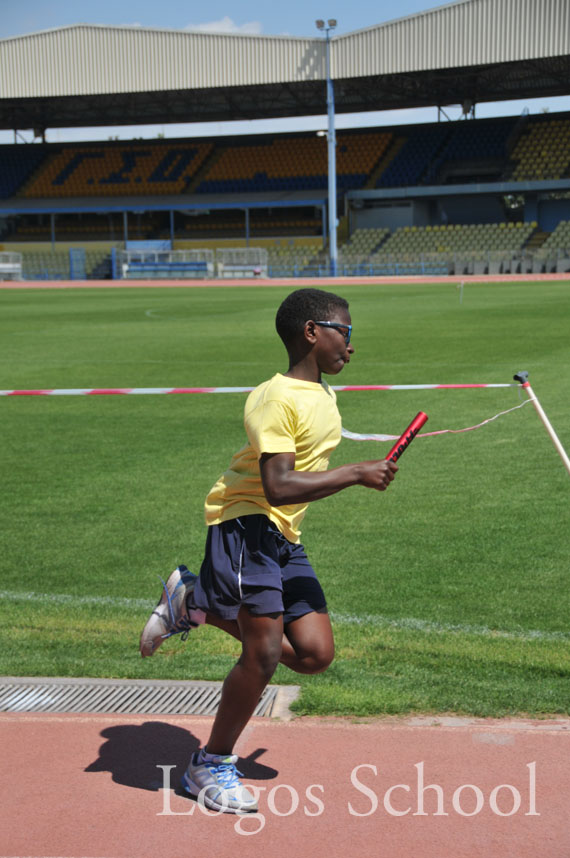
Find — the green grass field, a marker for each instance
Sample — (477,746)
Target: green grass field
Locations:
(449,592)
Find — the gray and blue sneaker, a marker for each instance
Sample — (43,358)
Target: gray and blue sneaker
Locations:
(216,783)
(173,614)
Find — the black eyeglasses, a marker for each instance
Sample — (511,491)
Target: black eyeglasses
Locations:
(345,330)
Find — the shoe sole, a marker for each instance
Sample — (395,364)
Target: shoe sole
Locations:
(193,789)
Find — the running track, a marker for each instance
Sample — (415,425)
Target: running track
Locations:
(285,281)
(91,786)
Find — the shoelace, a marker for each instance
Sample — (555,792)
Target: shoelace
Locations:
(225,773)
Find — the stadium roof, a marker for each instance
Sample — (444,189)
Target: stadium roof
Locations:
(469,51)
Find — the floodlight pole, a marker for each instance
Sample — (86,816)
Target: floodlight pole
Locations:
(331,147)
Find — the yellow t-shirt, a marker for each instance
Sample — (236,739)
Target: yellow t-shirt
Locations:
(282,415)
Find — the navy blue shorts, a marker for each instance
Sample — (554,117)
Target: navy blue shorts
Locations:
(249,562)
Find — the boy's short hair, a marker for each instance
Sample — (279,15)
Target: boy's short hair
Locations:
(302,305)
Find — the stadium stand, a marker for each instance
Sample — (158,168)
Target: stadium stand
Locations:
(454,249)
(18,163)
(56,265)
(413,159)
(363,242)
(283,261)
(543,151)
(139,168)
(86,228)
(473,151)
(62,203)
(442,153)
(118,170)
(560,238)
(514,149)
(458,238)
(278,164)
(263,222)
(243,166)
(554,253)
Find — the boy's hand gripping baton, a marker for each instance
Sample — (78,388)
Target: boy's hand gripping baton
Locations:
(407,437)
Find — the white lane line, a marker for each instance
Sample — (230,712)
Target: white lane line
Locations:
(377,620)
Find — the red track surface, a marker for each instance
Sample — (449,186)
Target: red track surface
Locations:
(284,281)
(89,785)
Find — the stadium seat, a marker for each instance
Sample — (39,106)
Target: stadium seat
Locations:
(543,151)
(17,164)
(121,170)
(300,163)
(456,238)
(559,240)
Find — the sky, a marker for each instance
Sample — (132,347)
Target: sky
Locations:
(293,18)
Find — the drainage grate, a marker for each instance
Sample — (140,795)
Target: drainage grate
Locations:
(159,697)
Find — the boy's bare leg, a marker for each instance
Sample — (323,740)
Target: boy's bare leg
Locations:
(310,643)
(307,643)
(261,639)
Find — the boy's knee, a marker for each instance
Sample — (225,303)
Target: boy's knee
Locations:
(315,660)
(268,658)
(322,659)
(263,659)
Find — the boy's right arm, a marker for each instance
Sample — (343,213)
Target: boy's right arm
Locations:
(283,485)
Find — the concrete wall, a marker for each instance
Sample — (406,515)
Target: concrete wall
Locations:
(387,215)
(551,212)
(475,209)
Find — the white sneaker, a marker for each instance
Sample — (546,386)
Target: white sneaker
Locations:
(217,784)
(172,616)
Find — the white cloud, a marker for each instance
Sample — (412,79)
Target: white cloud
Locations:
(227,25)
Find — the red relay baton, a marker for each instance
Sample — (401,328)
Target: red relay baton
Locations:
(407,437)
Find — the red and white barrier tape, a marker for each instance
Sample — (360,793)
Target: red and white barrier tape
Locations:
(351,436)
(113,391)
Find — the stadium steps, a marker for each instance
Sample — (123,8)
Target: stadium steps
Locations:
(382,242)
(516,133)
(100,269)
(343,229)
(559,239)
(536,240)
(205,168)
(44,165)
(428,177)
(384,162)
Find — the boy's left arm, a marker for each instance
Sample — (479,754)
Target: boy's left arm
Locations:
(283,485)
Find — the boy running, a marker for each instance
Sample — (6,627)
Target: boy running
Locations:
(256,582)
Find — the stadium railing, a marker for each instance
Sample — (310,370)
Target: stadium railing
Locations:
(158,264)
(242,262)
(10,266)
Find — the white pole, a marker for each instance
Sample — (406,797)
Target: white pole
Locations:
(331,139)
(326,27)
(523,377)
